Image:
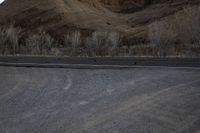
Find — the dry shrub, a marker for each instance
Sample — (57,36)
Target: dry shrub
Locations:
(103,43)
(99,43)
(40,43)
(162,36)
(73,43)
(181,31)
(9,40)
(186,24)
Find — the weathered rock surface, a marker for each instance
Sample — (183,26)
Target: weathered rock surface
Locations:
(130,17)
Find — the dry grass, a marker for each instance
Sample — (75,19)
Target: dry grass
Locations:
(73,43)
(39,44)
(180,31)
(9,40)
(99,43)
(178,35)
(161,35)
(103,43)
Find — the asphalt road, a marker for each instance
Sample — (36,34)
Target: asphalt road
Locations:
(64,100)
(102,62)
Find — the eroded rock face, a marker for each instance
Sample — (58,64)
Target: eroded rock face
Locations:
(58,16)
(126,6)
(129,6)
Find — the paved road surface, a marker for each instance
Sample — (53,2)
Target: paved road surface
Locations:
(106,62)
(137,100)
(91,100)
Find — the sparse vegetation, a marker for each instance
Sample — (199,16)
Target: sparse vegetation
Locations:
(178,35)
(9,40)
(99,43)
(161,35)
(73,43)
(39,44)
(180,32)
(103,43)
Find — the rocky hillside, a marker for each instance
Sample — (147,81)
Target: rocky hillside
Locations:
(130,17)
(125,6)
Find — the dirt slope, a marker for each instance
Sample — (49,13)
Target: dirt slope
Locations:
(128,16)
